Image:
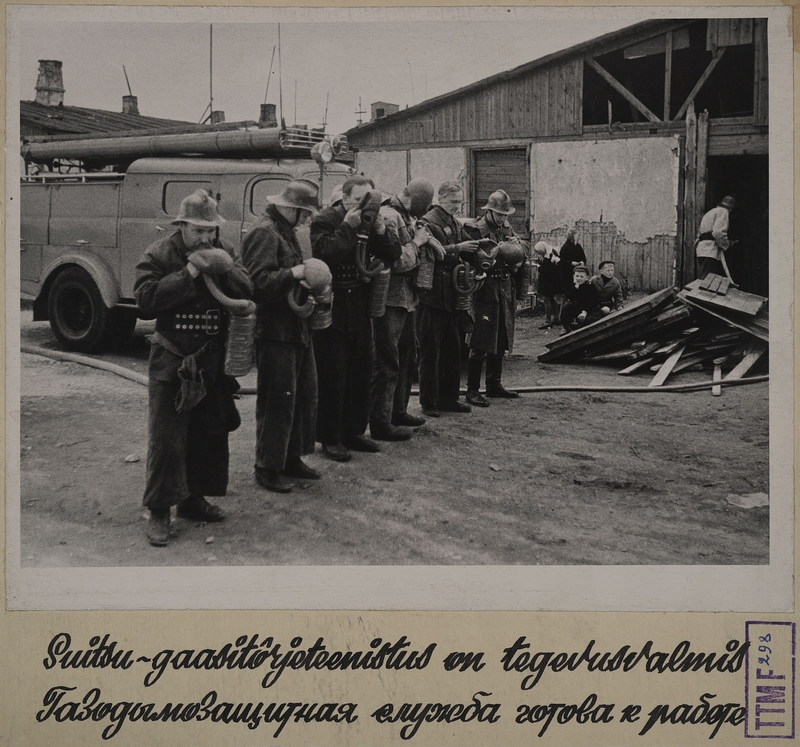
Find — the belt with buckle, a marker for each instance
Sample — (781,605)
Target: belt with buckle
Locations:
(208,322)
(502,274)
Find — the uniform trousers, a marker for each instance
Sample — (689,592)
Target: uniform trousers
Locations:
(286,405)
(709,266)
(395,360)
(183,457)
(344,374)
(439,356)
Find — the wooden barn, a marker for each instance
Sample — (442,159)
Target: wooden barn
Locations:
(632,136)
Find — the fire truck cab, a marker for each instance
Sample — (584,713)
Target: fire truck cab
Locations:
(82,234)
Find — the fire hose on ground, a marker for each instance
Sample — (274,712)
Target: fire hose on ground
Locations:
(126,373)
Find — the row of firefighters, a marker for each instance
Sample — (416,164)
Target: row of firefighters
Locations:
(392,289)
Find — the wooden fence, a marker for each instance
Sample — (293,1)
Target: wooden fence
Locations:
(641,266)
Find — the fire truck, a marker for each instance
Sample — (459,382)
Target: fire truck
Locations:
(82,232)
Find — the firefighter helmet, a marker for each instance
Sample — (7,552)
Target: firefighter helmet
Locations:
(499,202)
(199,209)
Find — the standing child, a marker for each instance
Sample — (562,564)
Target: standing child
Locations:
(549,285)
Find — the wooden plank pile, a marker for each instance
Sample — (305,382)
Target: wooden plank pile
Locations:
(709,324)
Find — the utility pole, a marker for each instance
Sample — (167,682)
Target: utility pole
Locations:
(359,112)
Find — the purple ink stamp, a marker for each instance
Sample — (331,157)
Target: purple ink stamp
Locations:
(769,685)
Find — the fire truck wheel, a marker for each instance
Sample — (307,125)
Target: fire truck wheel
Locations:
(78,316)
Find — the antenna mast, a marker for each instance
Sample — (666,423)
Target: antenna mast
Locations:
(211,69)
(126,80)
(280,78)
(269,76)
(359,112)
(325,118)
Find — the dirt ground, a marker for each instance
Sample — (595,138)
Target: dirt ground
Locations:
(553,478)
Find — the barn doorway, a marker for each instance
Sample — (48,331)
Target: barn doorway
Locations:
(747,179)
(502,169)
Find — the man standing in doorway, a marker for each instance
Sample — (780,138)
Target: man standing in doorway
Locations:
(343,351)
(395,331)
(439,321)
(712,240)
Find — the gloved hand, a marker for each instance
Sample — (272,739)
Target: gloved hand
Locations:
(212,261)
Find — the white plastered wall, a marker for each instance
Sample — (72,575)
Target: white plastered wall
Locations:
(439,165)
(631,182)
(387,168)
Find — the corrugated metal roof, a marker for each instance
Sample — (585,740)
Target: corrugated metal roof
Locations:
(80,120)
(618,38)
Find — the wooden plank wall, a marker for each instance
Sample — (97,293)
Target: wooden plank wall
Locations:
(728,32)
(546,102)
(761,95)
(643,267)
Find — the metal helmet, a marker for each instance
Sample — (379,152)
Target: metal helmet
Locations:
(199,209)
(511,252)
(499,202)
(729,202)
(420,192)
(301,194)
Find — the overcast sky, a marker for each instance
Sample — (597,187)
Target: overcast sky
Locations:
(403,59)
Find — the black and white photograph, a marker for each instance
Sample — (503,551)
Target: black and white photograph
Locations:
(434,308)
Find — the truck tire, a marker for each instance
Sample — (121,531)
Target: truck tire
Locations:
(78,316)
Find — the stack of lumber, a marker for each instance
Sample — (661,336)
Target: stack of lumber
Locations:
(710,324)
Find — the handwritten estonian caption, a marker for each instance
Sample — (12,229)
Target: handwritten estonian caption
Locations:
(271,660)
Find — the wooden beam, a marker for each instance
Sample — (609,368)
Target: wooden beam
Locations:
(620,89)
(668,76)
(690,187)
(666,368)
(749,360)
(700,83)
(701,174)
(716,390)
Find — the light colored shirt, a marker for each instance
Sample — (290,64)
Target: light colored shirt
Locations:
(715,222)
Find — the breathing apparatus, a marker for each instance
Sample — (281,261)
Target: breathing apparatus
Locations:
(376,272)
(240,345)
(318,294)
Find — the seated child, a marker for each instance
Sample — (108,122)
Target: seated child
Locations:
(610,288)
(582,302)
(549,284)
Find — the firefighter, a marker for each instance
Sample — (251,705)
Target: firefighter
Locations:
(343,351)
(495,302)
(286,405)
(191,407)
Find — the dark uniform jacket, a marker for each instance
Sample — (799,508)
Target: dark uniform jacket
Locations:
(269,251)
(334,242)
(448,232)
(586,296)
(186,313)
(495,303)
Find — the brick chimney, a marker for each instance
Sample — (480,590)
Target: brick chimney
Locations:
(50,84)
(130,105)
(269,116)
